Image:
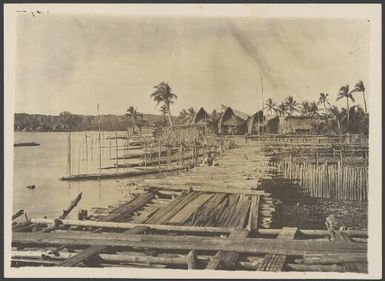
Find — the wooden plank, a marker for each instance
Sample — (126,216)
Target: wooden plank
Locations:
(125,225)
(183,215)
(246,245)
(318,268)
(91,251)
(130,207)
(158,215)
(224,257)
(253,214)
(276,263)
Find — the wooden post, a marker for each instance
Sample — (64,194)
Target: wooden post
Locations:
(180,155)
(109,145)
(100,145)
(290,165)
(80,146)
(316,156)
(92,148)
(191,259)
(145,151)
(86,143)
(159,153)
(341,157)
(117,151)
(128,143)
(69,153)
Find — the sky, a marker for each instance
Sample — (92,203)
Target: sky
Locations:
(73,62)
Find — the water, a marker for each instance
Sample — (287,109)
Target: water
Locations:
(43,165)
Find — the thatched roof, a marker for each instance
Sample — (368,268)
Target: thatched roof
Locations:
(200,116)
(229,118)
(238,113)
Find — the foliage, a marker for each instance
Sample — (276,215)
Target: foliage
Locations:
(270,106)
(187,115)
(135,118)
(291,105)
(345,93)
(282,109)
(74,122)
(163,94)
(360,87)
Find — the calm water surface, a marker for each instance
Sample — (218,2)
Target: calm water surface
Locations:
(43,166)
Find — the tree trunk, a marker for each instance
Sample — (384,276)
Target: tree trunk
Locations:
(347,107)
(363,95)
(169,114)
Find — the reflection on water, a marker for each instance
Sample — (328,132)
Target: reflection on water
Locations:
(43,166)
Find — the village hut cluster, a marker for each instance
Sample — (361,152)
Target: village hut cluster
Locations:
(235,122)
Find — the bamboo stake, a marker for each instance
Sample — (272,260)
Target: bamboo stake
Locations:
(69,153)
(117,151)
(80,145)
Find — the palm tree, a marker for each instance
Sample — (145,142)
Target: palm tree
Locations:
(133,115)
(337,116)
(187,115)
(305,108)
(164,95)
(359,87)
(323,99)
(345,93)
(282,109)
(291,105)
(313,109)
(270,106)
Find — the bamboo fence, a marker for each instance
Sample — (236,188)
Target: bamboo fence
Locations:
(328,180)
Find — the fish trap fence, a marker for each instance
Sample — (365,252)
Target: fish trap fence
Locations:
(328,180)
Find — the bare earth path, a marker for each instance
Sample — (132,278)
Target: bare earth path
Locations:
(238,170)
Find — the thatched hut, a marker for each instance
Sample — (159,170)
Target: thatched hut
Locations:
(232,122)
(201,117)
(291,125)
(256,123)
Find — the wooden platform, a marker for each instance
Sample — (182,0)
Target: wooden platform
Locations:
(191,230)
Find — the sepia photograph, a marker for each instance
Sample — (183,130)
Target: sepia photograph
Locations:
(192,140)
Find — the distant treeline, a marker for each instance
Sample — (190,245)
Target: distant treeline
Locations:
(74,122)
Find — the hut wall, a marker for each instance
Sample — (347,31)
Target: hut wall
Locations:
(272,125)
(296,125)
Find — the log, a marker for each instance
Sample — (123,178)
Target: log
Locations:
(121,258)
(246,245)
(332,260)
(162,185)
(86,254)
(322,268)
(73,204)
(17,214)
(126,225)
